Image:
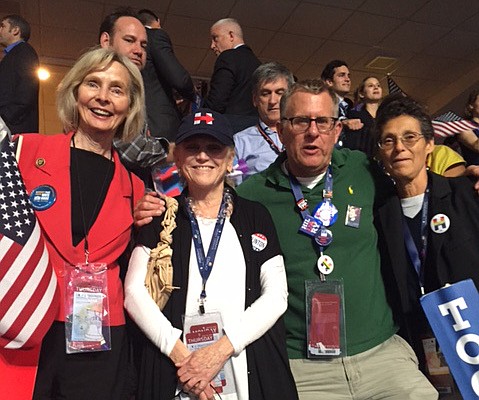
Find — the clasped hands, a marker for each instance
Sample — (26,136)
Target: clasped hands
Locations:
(198,369)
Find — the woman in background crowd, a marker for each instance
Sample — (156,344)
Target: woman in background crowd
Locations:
(469,140)
(367,98)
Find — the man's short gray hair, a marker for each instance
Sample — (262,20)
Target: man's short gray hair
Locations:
(232,24)
(311,86)
(270,72)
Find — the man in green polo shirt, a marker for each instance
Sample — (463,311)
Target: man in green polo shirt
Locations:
(372,361)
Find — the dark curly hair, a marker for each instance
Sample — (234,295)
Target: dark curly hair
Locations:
(396,105)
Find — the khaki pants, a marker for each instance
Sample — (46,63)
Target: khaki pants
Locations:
(387,371)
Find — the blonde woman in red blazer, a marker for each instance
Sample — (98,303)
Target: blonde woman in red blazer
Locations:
(90,218)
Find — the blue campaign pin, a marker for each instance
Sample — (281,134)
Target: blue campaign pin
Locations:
(326,212)
(42,197)
(324,238)
(310,226)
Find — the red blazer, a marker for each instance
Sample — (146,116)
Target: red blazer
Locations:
(45,160)
(108,239)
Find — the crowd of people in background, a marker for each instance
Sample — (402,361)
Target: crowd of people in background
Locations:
(290,266)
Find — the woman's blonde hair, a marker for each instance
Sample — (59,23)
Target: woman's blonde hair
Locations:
(93,60)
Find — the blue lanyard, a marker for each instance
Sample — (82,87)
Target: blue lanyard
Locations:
(418,259)
(328,185)
(298,194)
(205,264)
(302,203)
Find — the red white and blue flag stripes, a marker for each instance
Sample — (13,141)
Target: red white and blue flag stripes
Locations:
(450,124)
(28,284)
(447,124)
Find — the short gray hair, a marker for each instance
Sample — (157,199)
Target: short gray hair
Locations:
(232,24)
(270,72)
(311,86)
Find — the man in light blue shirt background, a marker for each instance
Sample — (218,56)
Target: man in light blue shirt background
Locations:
(258,146)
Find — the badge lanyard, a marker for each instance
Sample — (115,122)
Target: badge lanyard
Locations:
(325,215)
(205,264)
(86,228)
(266,137)
(417,259)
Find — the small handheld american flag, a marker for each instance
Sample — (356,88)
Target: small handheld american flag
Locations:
(28,284)
(450,124)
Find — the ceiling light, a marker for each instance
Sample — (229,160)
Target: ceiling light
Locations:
(43,74)
(381,62)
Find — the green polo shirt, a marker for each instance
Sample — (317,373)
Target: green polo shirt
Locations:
(354,251)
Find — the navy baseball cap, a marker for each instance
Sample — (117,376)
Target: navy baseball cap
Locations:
(206,122)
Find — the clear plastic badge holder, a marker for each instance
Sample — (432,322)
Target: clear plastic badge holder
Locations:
(325,320)
(87,321)
(203,330)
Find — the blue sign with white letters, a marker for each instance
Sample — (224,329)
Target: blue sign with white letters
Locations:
(453,313)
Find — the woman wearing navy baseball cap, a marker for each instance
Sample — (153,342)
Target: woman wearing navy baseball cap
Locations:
(219,334)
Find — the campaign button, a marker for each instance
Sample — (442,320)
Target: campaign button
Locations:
(43,197)
(325,264)
(259,241)
(324,238)
(440,223)
(326,212)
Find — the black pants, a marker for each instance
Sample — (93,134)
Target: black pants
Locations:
(84,376)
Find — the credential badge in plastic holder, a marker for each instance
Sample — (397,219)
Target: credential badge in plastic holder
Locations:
(203,330)
(87,316)
(325,319)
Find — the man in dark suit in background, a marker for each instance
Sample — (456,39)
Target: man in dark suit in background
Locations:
(230,87)
(18,76)
(162,73)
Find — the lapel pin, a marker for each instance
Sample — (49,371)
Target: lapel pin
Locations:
(43,197)
(440,223)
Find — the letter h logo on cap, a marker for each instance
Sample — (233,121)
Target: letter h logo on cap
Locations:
(207,118)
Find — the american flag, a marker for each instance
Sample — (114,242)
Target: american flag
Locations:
(449,124)
(28,284)
(393,87)
(448,117)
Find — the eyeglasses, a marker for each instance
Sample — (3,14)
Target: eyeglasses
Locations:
(408,139)
(302,124)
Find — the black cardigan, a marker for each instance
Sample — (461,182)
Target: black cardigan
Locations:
(269,376)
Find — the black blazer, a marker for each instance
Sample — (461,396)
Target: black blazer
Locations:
(19,89)
(450,256)
(163,73)
(230,86)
